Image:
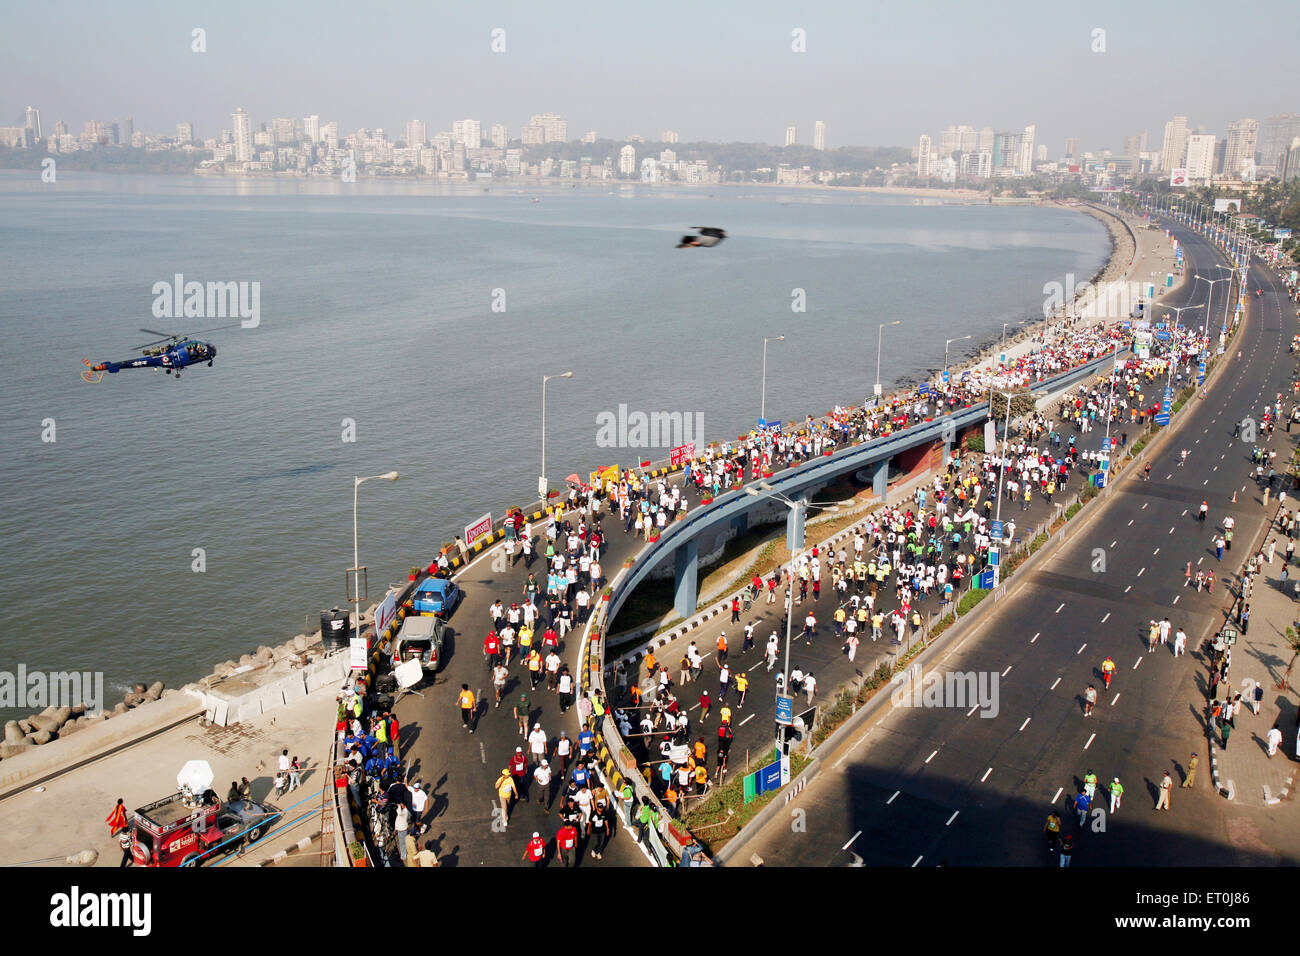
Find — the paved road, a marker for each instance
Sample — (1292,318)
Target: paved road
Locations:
(929,785)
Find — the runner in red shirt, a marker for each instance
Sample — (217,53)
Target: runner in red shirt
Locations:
(566,842)
(535,851)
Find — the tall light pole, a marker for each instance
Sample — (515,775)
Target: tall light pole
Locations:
(947,343)
(880,333)
(762,404)
(1173,338)
(1006,436)
(765,490)
(541,480)
(356,556)
(1209,304)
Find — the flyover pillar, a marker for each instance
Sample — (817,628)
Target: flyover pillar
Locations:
(880,478)
(685,577)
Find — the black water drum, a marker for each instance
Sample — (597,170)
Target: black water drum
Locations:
(334,631)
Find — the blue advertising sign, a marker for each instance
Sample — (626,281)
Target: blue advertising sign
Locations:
(945,376)
(1105,443)
(1099,479)
(762,423)
(784,710)
(995,530)
(986,580)
(769,777)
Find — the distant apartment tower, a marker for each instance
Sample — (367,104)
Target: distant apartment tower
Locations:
(668,136)
(1133,146)
(311,128)
(468,133)
(1243,137)
(1006,153)
(416,133)
(283,132)
(1175,144)
(243,134)
(819,135)
(1040,152)
(791,136)
(184,132)
(949,141)
(32,121)
(924,157)
(1275,136)
(985,139)
(1290,167)
(329,134)
(978,164)
(532,135)
(1026,164)
(627,160)
(555,129)
(1072,147)
(500,136)
(1200,157)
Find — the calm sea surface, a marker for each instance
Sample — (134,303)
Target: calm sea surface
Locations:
(376,307)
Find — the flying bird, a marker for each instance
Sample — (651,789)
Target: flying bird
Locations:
(708,236)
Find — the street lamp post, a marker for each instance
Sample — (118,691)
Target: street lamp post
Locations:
(356,556)
(1173,338)
(947,343)
(762,405)
(765,490)
(1002,473)
(541,480)
(1210,302)
(879,341)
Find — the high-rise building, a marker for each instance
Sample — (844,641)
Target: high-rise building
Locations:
(329,134)
(1006,153)
(668,136)
(985,140)
(126,130)
(311,128)
(416,133)
(1132,145)
(282,131)
(1026,164)
(500,136)
(1040,154)
(1174,149)
(967,139)
(1200,157)
(627,160)
(184,132)
(555,129)
(1275,136)
(1221,156)
(978,164)
(32,121)
(1290,166)
(819,135)
(790,136)
(924,157)
(1072,147)
(467,132)
(532,135)
(1243,137)
(589,136)
(949,141)
(243,133)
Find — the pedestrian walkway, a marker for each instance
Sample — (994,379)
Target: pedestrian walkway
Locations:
(1260,656)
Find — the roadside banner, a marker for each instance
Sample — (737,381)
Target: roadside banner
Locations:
(357,654)
(682,453)
(386,612)
(478,529)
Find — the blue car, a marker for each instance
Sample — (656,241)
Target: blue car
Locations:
(436,596)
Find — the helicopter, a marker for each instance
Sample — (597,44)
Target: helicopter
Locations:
(169,352)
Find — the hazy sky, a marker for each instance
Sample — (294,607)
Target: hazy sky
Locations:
(878,73)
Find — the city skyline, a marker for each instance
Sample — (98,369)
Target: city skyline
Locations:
(848,52)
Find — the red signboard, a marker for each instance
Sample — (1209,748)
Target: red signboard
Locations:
(476,530)
(681,454)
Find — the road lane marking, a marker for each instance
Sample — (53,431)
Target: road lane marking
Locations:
(1155,552)
(986,774)
(1058,794)
(1130,522)
(918,860)
(1137,663)
(1115,542)
(851,839)
(1007,671)
(482,754)
(891,799)
(1144,505)
(951,818)
(1141,571)
(1127,589)
(1081,647)
(1171,530)
(1054,683)
(1090,740)
(1025,724)
(1058,610)
(1035,637)
(972,710)
(747,720)
(931,757)
(1112,703)
(1106,618)
(1176,597)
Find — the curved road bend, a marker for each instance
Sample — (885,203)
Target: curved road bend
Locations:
(924,786)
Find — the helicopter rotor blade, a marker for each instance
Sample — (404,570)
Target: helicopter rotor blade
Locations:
(161,335)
